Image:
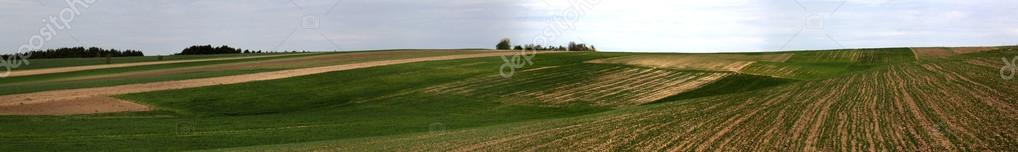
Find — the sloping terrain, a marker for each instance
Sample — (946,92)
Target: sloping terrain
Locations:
(817,65)
(14,103)
(202,69)
(602,85)
(946,106)
(842,100)
(705,62)
(941,52)
(18,73)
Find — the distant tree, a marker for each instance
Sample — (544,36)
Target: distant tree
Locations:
(518,47)
(504,44)
(572,46)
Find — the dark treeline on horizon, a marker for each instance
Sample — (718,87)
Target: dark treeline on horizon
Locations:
(78,52)
(506,44)
(209,49)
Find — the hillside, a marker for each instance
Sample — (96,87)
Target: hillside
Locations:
(839,100)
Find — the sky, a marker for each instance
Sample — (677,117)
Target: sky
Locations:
(167,26)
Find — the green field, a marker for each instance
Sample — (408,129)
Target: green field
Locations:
(838,100)
(68,62)
(193,70)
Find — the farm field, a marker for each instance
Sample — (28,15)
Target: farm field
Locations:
(70,62)
(941,52)
(891,99)
(707,62)
(192,70)
(14,103)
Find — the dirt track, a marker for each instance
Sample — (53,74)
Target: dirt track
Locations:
(93,67)
(12,104)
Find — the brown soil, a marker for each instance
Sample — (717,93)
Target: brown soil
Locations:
(617,86)
(940,52)
(967,50)
(710,62)
(85,105)
(82,96)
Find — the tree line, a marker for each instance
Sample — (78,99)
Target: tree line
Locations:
(78,52)
(506,44)
(209,49)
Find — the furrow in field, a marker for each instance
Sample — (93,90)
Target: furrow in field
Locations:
(603,85)
(902,108)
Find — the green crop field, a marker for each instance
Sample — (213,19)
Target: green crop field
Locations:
(832,100)
(68,62)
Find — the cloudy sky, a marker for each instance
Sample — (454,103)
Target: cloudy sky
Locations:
(166,26)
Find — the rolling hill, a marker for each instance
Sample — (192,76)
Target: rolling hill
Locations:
(893,99)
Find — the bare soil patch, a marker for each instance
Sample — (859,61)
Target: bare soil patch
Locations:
(87,105)
(940,52)
(614,86)
(80,95)
(708,62)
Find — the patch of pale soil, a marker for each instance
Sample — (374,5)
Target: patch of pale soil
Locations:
(934,52)
(939,52)
(709,62)
(93,67)
(676,87)
(967,50)
(541,68)
(627,87)
(984,63)
(783,57)
(76,95)
(86,105)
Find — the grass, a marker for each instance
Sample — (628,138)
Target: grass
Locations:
(818,65)
(829,101)
(949,109)
(192,70)
(732,84)
(360,103)
(68,62)
(803,71)
(856,56)
(44,82)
